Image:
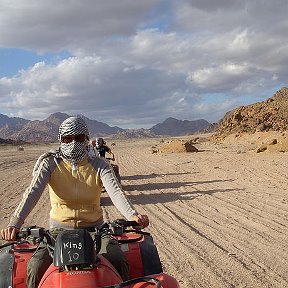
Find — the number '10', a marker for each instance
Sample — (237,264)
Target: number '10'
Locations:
(73,256)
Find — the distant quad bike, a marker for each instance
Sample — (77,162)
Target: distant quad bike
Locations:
(76,262)
(20,148)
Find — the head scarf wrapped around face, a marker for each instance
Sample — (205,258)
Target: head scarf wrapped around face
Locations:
(73,151)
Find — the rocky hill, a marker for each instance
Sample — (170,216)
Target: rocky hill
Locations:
(134,134)
(46,130)
(10,141)
(269,115)
(9,126)
(175,127)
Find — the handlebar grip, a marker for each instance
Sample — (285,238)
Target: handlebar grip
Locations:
(132,223)
(126,223)
(34,231)
(21,234)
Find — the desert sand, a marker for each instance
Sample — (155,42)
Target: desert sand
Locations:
(219,217)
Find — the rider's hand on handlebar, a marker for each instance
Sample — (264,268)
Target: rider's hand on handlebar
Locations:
(142,220)
(9,233)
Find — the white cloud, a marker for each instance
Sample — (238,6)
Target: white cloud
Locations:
(90,85)
(130,69)
(215,79)
(53,25)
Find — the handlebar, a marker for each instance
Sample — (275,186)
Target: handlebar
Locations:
(34,231)
(125,223)
(117,227)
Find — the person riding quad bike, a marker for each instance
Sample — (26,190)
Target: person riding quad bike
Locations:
(101,148)
(75,182)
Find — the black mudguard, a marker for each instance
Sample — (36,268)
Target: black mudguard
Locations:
(6,268)
(150,257)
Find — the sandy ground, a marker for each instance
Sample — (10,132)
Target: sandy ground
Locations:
(219,217)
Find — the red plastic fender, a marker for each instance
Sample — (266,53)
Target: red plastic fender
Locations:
(141,253)
(22,253)
(133,254)
(102,275)
(167,281)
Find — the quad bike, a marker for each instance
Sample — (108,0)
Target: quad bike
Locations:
(76,262)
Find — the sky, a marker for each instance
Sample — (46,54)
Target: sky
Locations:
(132,63)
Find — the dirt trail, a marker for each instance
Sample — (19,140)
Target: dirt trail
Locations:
(219,217)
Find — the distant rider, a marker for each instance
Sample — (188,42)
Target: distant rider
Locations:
(101,148)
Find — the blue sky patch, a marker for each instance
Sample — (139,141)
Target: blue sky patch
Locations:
(11,59)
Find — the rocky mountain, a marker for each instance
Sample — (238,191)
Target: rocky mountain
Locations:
(10,141)
(18,129)
(14,122)
(46,130)
(175,127)
(9,126)
(268,115)
(135,133)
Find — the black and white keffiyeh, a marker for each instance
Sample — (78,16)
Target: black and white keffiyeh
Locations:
(73,151)
(73,126)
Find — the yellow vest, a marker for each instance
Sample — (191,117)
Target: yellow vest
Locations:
(75,195)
